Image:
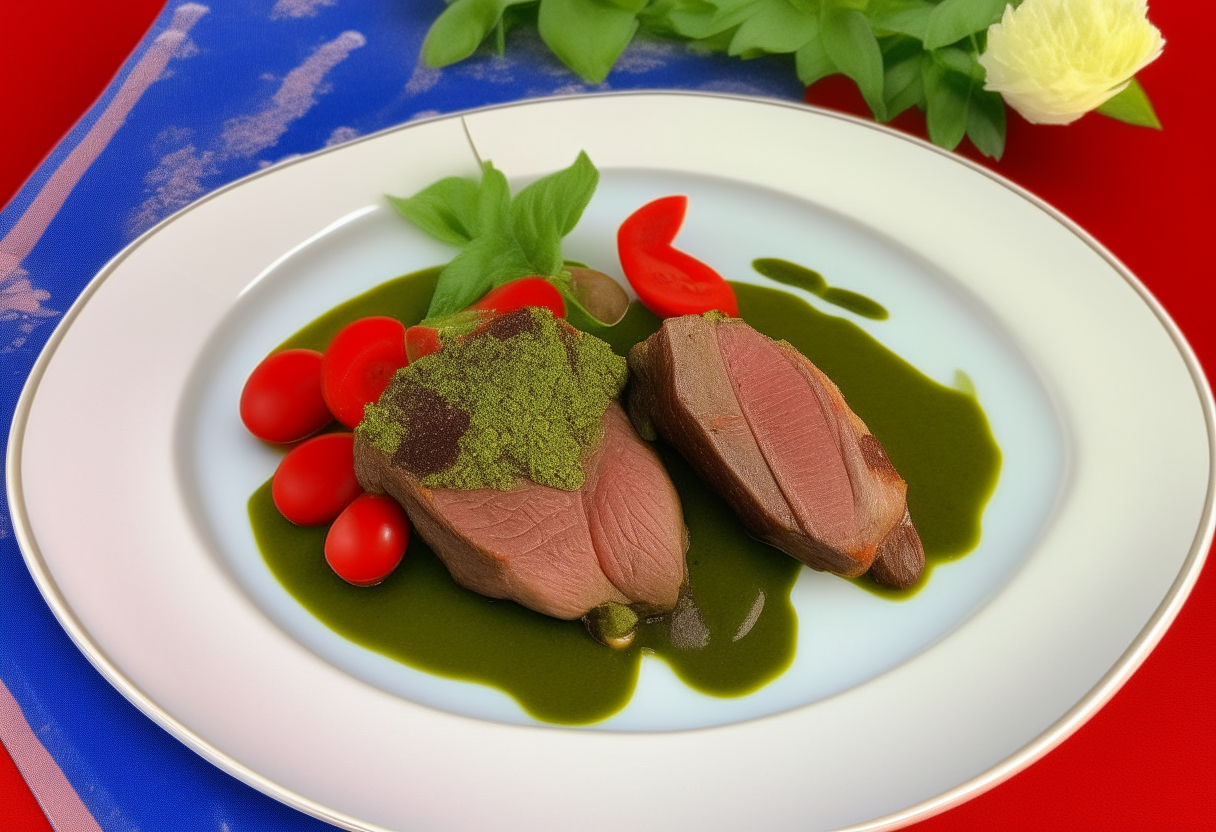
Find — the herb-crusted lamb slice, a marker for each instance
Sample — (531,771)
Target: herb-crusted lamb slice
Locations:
(515,463)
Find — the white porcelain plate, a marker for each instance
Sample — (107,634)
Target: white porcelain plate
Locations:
(134,525)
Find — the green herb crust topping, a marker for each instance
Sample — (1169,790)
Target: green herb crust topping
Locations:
(521,397)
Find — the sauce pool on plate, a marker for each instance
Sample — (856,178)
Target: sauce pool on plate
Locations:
(742,631)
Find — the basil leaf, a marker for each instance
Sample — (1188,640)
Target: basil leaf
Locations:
(811,62)
(561,197)
(1132,106)
(518,14)
(486,262)
(907,17)
(700,23)
(954,20)
(947,99)
(655,20)
(446,210)
(493,202)
(776,27)
(459,30)
(587,35)
(903,84)
(548,209)
(633,6)
(962,61)
(986,122)
(850,43)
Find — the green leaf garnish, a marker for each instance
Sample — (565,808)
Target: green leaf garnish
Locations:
(811,62)
(487,261)
(776,28)
(947,99)
(952,20)
(501,238)
(548,209)
(986,123)
(588,35)
(446,210)
(459,30)
(903,84)
(849,41)
(1132,106)
(908,17)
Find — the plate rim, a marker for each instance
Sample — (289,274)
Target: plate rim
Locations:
(1109,684)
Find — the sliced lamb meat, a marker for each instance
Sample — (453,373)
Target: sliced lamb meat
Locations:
(774,436)
(619,539)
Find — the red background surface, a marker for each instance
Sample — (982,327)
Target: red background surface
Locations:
(1146,761)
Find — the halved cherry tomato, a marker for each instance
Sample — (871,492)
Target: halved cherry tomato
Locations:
(368,540)
(316,480)
(359,364)
(668,281)
(281,401)
(421,340)
(517,294)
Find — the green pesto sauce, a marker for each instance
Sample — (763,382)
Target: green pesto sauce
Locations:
(937,437)
(791,274)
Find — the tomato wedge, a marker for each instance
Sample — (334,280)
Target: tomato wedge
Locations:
(359,364)
(669,282)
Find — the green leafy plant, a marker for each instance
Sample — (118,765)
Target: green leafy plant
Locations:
(500,238)
(900,53)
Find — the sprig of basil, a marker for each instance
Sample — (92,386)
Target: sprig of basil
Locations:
(501,238)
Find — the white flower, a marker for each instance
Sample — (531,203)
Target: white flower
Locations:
(1055,60)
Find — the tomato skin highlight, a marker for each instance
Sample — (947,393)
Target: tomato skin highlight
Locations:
(316,480)
(517,294)
(281,401)
(367,541)
(359,364)
(669,282)
(421,340)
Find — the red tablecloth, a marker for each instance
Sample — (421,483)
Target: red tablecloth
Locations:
(1146,761)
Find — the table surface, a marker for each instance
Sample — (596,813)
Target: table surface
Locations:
(1145,761)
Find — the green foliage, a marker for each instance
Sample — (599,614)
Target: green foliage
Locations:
(459,29)
(953,20)
(776,28)
(849,41)
(501,238)
(1132,105)
(900,53)
(588,35)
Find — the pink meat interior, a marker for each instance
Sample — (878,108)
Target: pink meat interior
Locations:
(795,433)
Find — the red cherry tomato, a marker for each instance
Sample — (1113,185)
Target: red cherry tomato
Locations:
(316,480)
(421,340)
(281,401)
(359,364)
(517,294)
(368,540)
(669,282)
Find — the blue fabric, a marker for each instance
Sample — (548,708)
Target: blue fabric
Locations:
(252,83)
